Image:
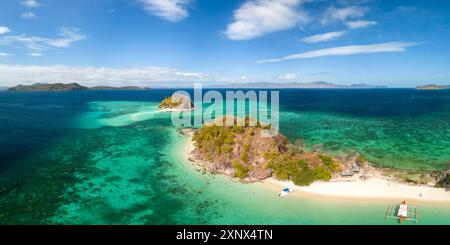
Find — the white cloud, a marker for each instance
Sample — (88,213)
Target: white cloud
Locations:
(287,77)
(190,74)
(3,54)
(31,3)
(4,30)
(346,50)
(28,16)
(259,17)
(170,10)
(67,36)
(333,14)
(360,24)
(324,37)
(36,54)
(21,74)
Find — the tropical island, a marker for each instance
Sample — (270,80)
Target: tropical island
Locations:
(243,153)
(66,87)
(433,87)
(240,152)
(176,102)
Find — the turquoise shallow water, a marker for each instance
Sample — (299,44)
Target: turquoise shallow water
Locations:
(122,162)
(419,143)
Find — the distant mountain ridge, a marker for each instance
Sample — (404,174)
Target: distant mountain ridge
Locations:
(433,87)
(66,87)
(117,88)
(311,85)
(261,85)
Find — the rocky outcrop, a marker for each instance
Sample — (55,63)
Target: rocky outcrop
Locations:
(444,181)
(244,153)
(177,102)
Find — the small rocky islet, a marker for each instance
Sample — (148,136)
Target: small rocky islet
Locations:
(243,152)
(176,102)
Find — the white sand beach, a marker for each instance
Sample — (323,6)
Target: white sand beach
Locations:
(175,110)
(372,187)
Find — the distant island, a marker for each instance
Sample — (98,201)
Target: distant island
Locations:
(313,85)
(65,87)
(433,87)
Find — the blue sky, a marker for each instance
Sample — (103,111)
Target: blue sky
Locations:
(177,42)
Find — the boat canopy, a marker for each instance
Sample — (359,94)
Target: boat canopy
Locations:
(403,210)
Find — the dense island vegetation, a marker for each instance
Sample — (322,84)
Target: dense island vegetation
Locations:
(243,153)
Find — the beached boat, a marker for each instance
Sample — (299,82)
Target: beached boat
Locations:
(402,213)
(285,192)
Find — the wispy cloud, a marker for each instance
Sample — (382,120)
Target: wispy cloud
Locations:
(23,74)
(333,14)
(35,54)
(28,16)
(346,50)
(258,17)
(3,54)
(360,24)
(4,29)
(190,74)
(324,37)
(34,44)
(31,3)
(170,10)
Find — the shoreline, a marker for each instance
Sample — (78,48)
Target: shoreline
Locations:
(370,188)
(373,187)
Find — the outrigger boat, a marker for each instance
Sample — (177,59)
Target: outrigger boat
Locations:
(403,213)
(285,192)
